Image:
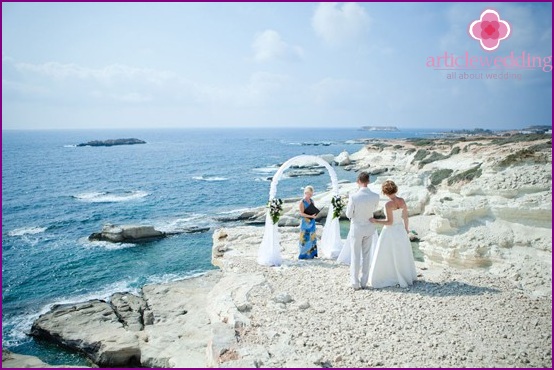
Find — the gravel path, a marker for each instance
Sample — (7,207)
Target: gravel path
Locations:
(306,314)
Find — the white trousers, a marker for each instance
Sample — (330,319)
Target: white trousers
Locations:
(360,257)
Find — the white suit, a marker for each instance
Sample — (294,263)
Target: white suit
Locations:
(361,206)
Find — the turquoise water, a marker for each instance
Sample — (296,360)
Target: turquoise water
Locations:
(55,194)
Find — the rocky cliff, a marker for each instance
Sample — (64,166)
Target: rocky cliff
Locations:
(483,297)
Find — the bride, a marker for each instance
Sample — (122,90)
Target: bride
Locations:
(393,261)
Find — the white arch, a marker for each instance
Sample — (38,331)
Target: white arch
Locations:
(330,245)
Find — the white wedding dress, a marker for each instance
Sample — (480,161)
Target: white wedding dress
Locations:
(393,261)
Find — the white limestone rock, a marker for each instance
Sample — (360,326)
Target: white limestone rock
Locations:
(181,327)
(343,159)
(90,327)
(441,225)
(129,308)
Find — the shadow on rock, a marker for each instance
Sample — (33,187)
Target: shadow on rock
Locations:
(445,289)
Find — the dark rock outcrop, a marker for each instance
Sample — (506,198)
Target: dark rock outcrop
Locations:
(112,142)
(127,234)
(138,233)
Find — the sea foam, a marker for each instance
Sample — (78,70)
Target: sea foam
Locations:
(27,231)
(108,197)
(210,178)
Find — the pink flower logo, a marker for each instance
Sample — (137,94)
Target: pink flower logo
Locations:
(489,30)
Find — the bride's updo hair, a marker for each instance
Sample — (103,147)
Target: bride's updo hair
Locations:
(389,187)
(309,189)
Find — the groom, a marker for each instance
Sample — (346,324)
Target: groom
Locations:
(361,206)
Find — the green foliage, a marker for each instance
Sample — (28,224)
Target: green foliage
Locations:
(422,142)
(521,155)
(381,146)
(455,150)
(432,158)
(275,206)
(410,151)
(468,146)
(542,146)
(421,153)
(338,205)
(466,176)
(438,176)
(518,138)
(476,131)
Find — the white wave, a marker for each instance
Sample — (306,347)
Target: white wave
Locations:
(269,169)
(107,197)
(181,224)
(70,146)
(264,179)
(103,244)
(309,143)
(27,231)
(210,178)
(168,278)
(233,211)
(103,293)
(290,143)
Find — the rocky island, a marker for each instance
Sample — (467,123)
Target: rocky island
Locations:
(379,128)
(483,298)
(112,142)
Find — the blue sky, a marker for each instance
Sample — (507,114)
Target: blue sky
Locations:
(127,65)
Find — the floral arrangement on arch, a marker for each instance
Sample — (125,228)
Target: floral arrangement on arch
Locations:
(275,206)
(338,205)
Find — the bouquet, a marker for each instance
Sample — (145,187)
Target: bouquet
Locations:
(275,206)
(338,205)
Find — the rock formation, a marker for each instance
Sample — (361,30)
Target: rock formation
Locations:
(489,212)
(136,233)
(165,326)
(112,142)
(343,159)
(92,328)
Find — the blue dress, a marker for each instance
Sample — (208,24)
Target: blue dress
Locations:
(308,241)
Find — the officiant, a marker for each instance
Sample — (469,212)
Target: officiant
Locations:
(308,212)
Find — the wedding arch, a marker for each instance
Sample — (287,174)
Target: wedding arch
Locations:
(329,246)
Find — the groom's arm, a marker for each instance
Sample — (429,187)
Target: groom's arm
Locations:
(350,208)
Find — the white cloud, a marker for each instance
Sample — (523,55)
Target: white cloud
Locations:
(132,97)
(22,88)
(337,25)
(261,88)
(107,75)
(269,45)
(6,59)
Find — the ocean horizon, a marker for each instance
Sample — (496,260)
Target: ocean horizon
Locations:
(56,194)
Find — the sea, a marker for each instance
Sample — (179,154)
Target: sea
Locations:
(55,194)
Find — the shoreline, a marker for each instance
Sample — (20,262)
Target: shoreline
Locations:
(450,221)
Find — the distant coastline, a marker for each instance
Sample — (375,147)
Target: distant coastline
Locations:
(380,128)
(536,129)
